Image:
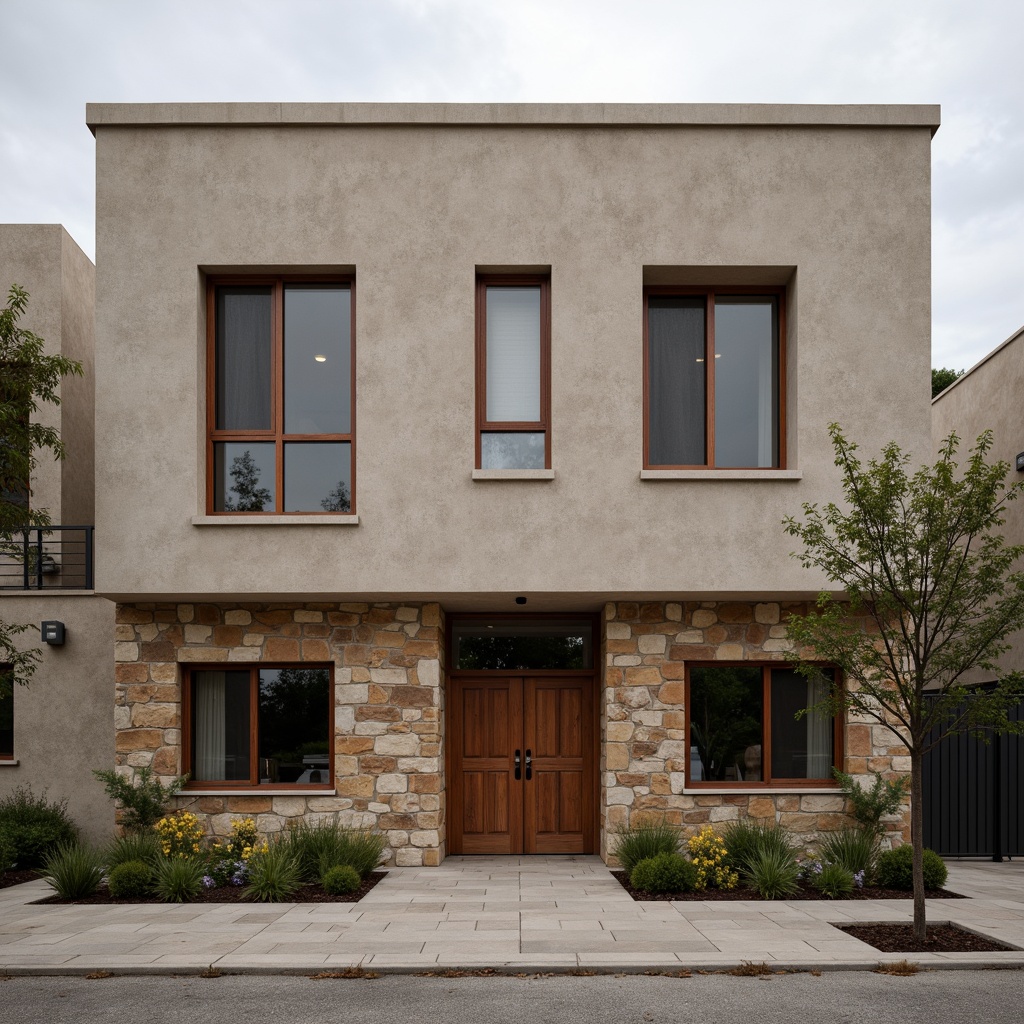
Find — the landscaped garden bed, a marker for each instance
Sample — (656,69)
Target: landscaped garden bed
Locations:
(942,938)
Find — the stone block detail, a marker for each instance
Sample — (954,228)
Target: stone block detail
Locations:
(388,722)
(645,648)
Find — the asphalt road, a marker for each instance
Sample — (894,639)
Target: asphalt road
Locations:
(994,997)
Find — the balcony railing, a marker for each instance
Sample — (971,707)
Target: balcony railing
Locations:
(47,558)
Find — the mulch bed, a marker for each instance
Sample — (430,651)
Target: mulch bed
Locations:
(806,892)
(942,938)
(230,894)
(17,877)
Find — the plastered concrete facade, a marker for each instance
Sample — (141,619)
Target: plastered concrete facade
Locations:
(831,202)
(988,397)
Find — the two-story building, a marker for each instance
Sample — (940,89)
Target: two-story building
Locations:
(442,453)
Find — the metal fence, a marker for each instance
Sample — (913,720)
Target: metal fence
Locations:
(972,796)
(47,558)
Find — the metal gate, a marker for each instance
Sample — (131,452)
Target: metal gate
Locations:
(972,796)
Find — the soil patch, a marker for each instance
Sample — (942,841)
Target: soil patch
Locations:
(9,878)
(312,893)
(942,938)
(806,892)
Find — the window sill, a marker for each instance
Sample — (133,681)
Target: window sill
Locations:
(310,791)
(9,762)
(513,474)
(262,520)
(721,474)
(761,791)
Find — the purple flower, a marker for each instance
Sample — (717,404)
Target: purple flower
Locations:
(858,879)
(208,882)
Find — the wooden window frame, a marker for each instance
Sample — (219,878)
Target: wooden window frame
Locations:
(767,781)
(483,425)
(253,783)
(5,755)
(276,434)
(709,293)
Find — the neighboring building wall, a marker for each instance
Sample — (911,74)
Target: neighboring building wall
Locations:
(644,750)
(388,718)
(990,396)
(62,719)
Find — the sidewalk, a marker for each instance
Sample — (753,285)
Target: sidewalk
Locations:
(529,914)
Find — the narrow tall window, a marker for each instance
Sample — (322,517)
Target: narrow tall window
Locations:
(6,713)
(713,379)
(281,396)
(513,373)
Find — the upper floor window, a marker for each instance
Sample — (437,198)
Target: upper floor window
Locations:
(281,396)
(513,357)
(713,373)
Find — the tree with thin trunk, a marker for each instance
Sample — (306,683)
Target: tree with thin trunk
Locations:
(920,558)
(28,377)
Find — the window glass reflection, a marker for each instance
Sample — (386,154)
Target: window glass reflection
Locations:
(243,477)
(317,476)
(512,451)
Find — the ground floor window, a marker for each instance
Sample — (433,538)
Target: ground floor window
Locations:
(6,713)
(259,725)
(743,727)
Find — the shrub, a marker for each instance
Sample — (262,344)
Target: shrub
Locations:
(833,880)
(325,845)
(135,846)
(6,852)
(710,858)
(773,873)
(73,871)
(644,840)
(666,872)
(340,879)
(142,799)
(130,880)
(745,838)
(178,879)
(274,873)
(181,834)
(895,869)
(870,805)
(854,849)
(34,826)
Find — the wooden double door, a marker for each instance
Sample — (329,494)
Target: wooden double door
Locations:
(522,766)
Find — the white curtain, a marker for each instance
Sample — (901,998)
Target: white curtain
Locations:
(819,732)
(210,717)
(513,355)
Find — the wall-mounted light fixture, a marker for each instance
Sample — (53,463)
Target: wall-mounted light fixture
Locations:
(1020,463)
(53,632)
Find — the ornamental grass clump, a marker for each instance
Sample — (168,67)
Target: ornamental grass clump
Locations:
(745,838)
(181,835)
(773,873)
(340,880)
(710,857)
(895,869)
(35,827)
(135,846)
(130,880)
(73,871)
(833,881)
(644,840)
(855,849)
(274,873)
(178,879)
(324,845)
(667,872)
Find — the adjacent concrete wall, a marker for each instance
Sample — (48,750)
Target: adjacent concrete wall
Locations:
(63,720)
(833,202)
(990,396)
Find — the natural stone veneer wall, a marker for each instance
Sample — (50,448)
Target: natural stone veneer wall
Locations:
(388,714)
(643,760)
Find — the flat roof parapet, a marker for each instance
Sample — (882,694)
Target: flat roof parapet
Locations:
(601,115)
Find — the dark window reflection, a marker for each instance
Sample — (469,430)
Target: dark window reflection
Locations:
(243,477)
(726,713)
(7,723)
(801,747)
(243,358)
(503,645)
(317,476)
(294,710)
(317,364)
(676,375)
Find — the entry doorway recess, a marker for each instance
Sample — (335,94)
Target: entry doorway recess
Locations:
(522,764)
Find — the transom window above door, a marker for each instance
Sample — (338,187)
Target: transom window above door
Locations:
(281,396)
(713,378)
(513,357)
(500,644)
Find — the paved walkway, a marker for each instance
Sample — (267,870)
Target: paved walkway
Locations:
(529,913)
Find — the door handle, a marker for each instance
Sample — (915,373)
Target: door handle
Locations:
(529,765)
(519,774)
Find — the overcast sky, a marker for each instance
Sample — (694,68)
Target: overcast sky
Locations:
(60,54)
